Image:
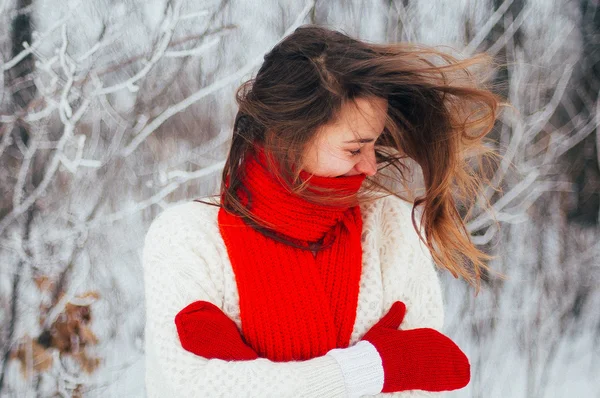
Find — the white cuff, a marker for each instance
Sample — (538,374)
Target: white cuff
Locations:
(362,368)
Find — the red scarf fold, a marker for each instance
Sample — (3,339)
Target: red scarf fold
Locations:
(295,305)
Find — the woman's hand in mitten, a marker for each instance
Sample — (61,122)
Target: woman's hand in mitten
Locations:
(205,330)
(417,359)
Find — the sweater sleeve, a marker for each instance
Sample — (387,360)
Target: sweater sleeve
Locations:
(176,273)
(409,275)
(408,270)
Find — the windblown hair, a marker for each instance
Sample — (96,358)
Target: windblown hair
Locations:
(438,116)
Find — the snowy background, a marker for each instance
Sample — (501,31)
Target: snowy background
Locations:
(112,110)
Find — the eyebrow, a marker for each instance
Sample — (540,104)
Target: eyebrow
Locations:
(364,140)
(360,140)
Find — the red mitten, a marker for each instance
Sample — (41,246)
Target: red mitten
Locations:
(417,359)
(205,330)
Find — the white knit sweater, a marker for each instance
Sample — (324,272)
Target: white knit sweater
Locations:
(185,260)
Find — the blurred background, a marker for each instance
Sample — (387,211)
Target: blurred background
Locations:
(113,110)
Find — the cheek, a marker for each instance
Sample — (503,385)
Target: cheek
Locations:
(334,164)
(326,161)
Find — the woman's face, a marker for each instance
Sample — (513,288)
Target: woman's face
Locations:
(346,146)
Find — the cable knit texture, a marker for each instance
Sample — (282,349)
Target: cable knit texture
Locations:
(294,305)
(185,260)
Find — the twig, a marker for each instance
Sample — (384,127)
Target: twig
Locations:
(487,28)
(156,56)
(50,171)
(198,95)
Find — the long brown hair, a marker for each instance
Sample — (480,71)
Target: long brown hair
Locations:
(438,116)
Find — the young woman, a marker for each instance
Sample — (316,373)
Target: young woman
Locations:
(310,275)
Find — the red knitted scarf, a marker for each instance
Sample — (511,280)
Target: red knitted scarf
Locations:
(295,305)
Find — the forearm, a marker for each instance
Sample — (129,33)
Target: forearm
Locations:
(351,372)
(176,276)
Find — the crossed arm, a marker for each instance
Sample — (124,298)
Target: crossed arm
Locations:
(179,284)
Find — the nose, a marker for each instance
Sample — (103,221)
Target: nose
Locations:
(367,164)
